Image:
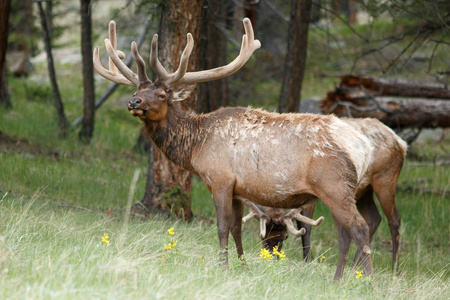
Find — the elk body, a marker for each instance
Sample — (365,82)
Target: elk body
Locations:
(244,154)
(385,162)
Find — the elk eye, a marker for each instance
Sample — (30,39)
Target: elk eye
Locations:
(161,97)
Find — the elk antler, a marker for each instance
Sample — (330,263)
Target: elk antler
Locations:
(248,46)
(115,62)
(291,228)
(257,213)
(295,214)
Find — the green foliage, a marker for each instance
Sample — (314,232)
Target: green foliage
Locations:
(175,197)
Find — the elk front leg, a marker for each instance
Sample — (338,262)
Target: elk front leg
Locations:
(385,188)
(236,225)
(222,196)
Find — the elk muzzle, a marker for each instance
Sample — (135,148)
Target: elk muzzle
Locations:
(134,106)
(134,103)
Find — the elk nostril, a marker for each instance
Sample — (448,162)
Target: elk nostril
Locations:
(134,102)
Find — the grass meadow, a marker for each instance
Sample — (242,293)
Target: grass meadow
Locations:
(58,199)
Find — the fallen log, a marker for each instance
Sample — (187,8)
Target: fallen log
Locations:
(397,87)
(395,112)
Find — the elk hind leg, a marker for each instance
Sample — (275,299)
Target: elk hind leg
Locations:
(344,240)
(368,209)
(346,215)
(385,191)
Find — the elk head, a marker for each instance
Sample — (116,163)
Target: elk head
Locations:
(151,99)
(274,223)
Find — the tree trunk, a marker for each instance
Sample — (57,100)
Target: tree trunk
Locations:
(168,186)
(5,8)
(395,112)
(250,10)
(87,127)
(403,88)
(213,53)
(295,62)
(63,124)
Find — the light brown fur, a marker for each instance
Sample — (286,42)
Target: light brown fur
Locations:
(277,160)
(381,176)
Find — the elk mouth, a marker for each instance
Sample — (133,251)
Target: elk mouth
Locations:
(137,112)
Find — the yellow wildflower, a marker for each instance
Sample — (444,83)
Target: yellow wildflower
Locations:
(278,253)
(358,275)
(322,259)
(170,231)
(105,239)
(266,255)
(171,245)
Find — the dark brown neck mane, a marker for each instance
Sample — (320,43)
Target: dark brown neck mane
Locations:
(176,135)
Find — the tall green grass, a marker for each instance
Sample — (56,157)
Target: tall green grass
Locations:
(48,252)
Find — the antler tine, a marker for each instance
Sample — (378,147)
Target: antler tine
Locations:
(112,76)
(156,65)
(120,65)
(184,60)
(262,227)
(163,75)
(295,214)
(142,75)
(113,38)
(255,212)
(250,216)
(248,46)
(291,228)
(115,63)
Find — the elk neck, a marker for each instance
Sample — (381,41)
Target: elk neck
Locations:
(176,135)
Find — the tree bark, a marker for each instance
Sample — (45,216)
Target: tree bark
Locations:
(395,112)
(5,8)
(213,53)
(295,62)
(87,127)
(168,186)
(250,10)
(62,120)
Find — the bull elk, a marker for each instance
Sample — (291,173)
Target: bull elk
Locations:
(385,160)
(274,224)
(271,159)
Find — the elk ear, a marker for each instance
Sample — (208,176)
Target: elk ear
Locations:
(183,93)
